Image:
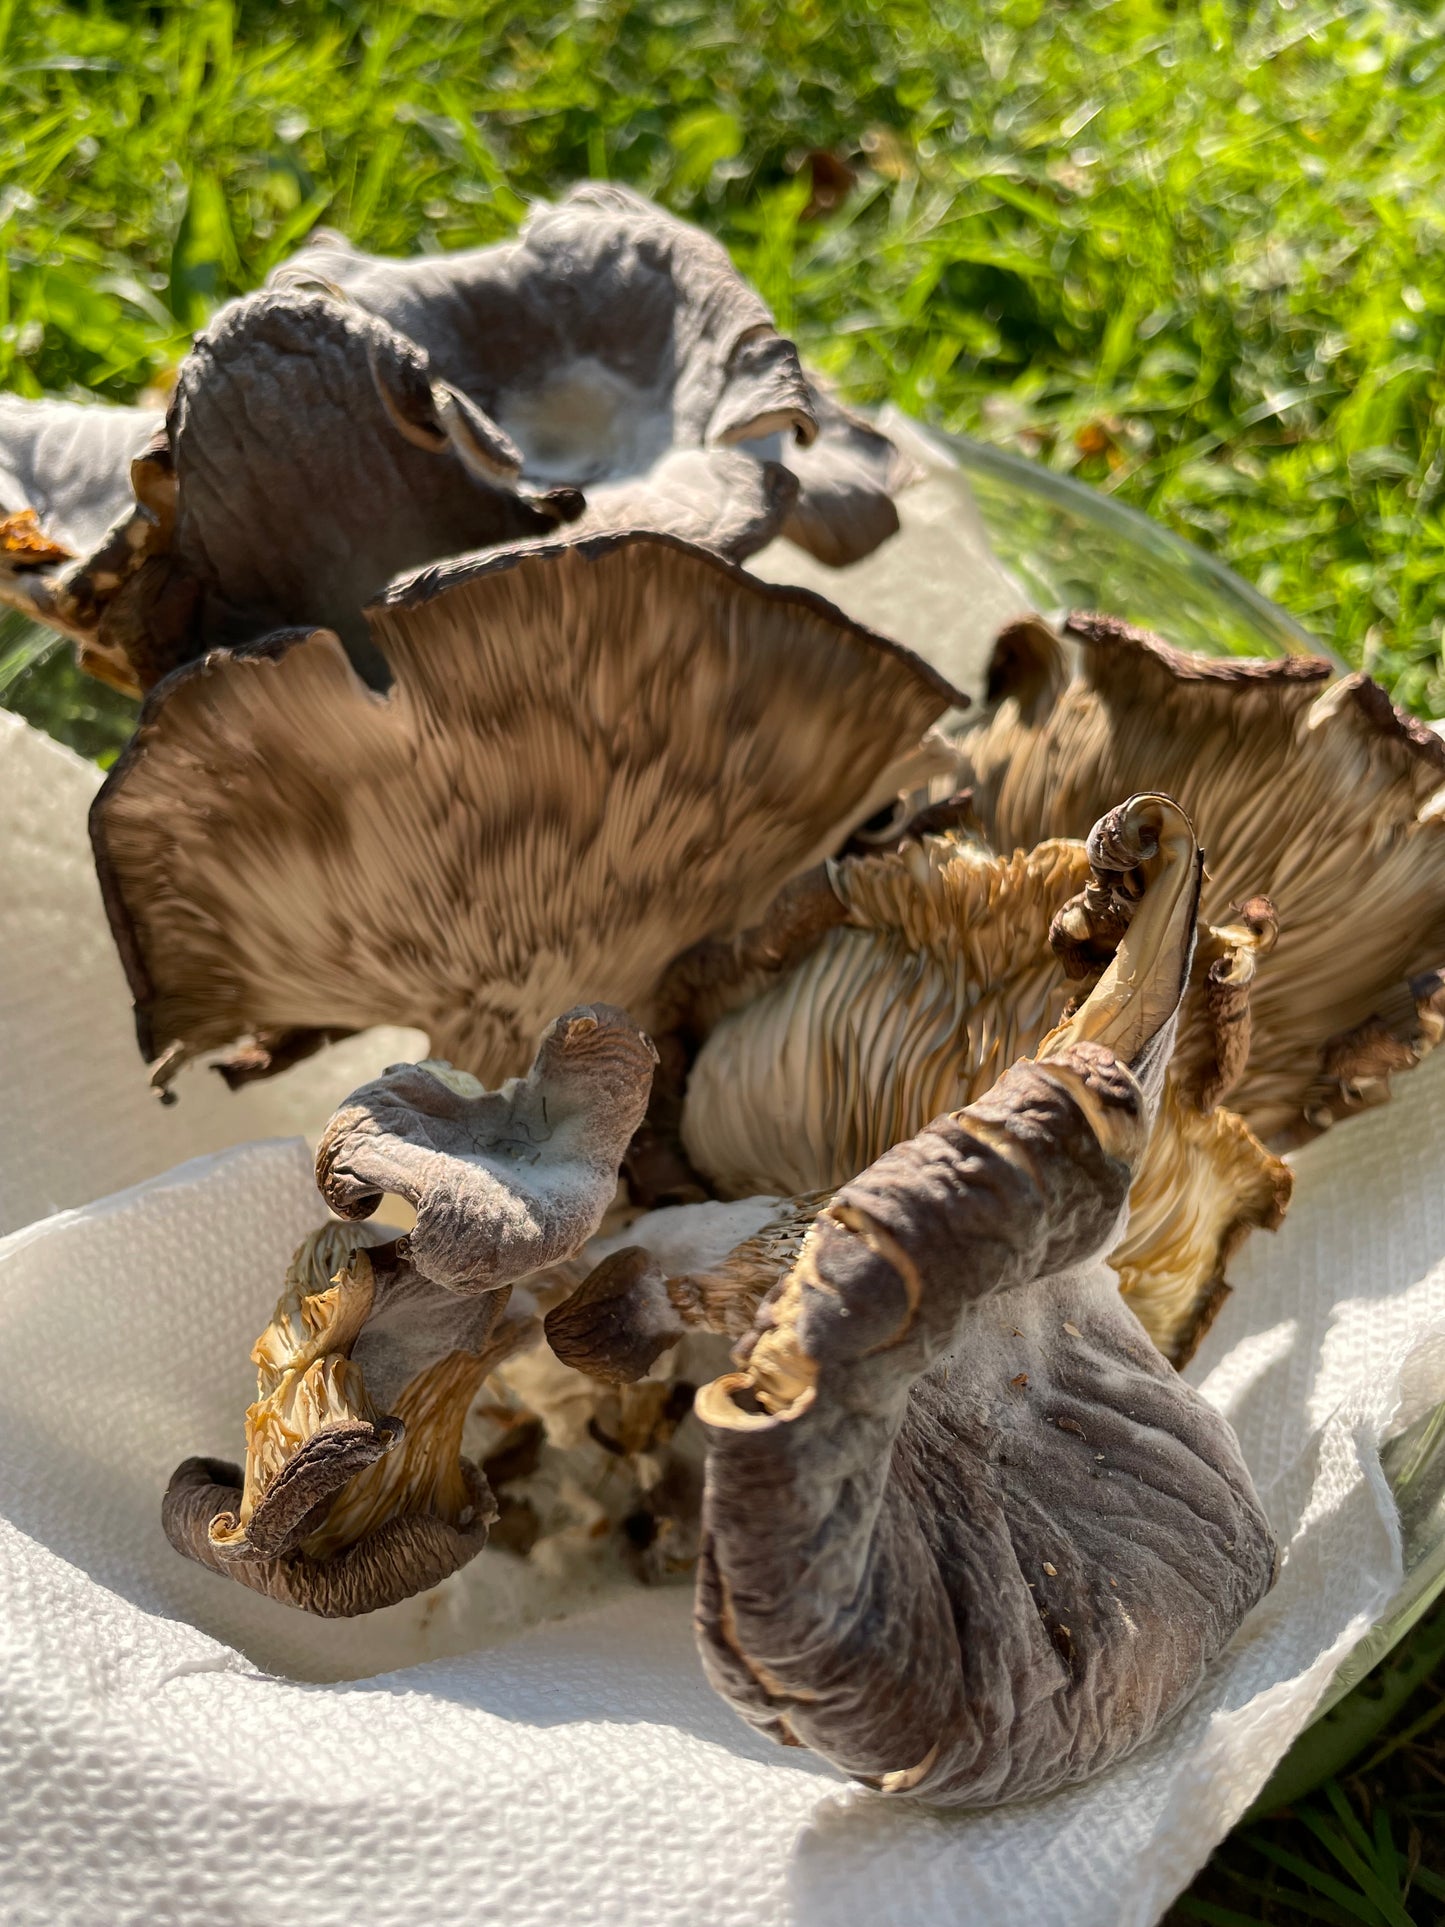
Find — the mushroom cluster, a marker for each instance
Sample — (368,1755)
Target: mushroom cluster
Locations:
(935,1066)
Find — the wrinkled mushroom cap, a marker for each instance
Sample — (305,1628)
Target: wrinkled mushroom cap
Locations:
(502,1182)
(1314,791)
(308,455)
(965,1533)
(592,754)
(624,355)
(317,455)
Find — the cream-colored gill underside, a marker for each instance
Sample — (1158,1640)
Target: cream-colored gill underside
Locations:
(943,980)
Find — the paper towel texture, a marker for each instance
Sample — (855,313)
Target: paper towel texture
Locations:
(80,1118)
(176,1750)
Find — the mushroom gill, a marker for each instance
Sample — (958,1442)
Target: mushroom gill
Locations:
(965,1534)
(339,1510)
(591,755)
(1315,791)
(826,1038)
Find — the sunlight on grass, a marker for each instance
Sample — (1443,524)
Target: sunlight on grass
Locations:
(1194,255)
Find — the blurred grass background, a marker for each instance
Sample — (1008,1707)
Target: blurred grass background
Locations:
(1194,254)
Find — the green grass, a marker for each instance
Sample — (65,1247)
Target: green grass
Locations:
(1193,253)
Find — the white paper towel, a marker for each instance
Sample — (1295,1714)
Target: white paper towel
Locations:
(151,1770)
(80,1119)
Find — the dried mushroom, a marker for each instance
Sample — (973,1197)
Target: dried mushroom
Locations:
(317,455)
(885,989)
(355,1493)
(624,355)
(308,456)
(964,1532)
(1314,790)
(592,754)
(502,1182)
(361,417)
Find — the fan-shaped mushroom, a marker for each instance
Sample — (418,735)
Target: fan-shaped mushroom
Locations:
(885,989)
(624,354)
(964,1532)
(1315,791)
(355,1494)
(592,754)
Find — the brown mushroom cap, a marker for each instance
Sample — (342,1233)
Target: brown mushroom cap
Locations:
(592,754)
(964,1532)
(892,987)
(625,355)
(1316,792)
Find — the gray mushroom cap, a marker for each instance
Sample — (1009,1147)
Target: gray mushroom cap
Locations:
(317,455)
(502,1182)
(308,456)
(964,1532)
(624,354)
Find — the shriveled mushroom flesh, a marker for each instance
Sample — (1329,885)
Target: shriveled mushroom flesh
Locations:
(355,1493)
(965,1534)
(343,1507)
(309,454)
(625,355)
(888,989)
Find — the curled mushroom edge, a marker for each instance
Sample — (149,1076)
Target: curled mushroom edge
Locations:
(354,1493)
(965,1533)
(359,417)
(1305,784)
(884,989)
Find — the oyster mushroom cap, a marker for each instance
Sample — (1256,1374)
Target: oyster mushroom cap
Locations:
(308,455)
(317,456)
(1315,791)
(964,1532)
(339,1511)
(625,355)
(885,989)
(846,479)
(592,754)
(502,1182)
